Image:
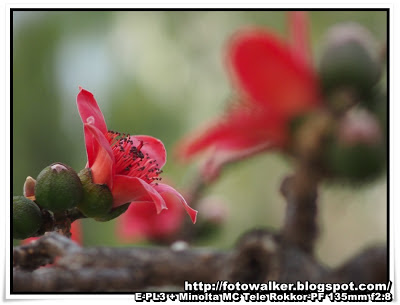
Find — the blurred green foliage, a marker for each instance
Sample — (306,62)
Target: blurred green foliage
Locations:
(162,73)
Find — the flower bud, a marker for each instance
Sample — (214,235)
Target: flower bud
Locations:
(359,126)
(356,163)
(58,188)
(357,153)
(97,198)
(350,60)
(377,103)
(214,212)
(27,217)
(29,188)
(213,209)
(114,213)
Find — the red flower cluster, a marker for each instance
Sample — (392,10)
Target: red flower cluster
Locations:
(275,82)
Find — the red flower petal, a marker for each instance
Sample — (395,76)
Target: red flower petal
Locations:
(299,35)
(100,156)
(90,111)
(164,188)
(154,147)
(131,189)
(76,232)
(241,129)
(219,158)
(267,71)
(135,224)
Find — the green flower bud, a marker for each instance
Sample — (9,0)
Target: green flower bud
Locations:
(58,188)
(97,198)
(114,213)
(350,60)
(207,230)
(357,153)
(27,217)
(214,213)
(377,103)
(356,163)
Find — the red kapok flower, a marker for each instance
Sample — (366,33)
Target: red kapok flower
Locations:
(276,83)
(141,221)
(129,165)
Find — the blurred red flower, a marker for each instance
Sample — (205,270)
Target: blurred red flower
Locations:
(141,221)
(275,81)
(129,165)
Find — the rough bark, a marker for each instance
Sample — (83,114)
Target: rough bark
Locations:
(259,256)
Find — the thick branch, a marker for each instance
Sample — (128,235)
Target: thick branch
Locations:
(123,269)
(258,257)
(300,227)
(300,191)
(369,266)
(43,251)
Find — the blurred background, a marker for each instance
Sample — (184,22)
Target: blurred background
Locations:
(162,73)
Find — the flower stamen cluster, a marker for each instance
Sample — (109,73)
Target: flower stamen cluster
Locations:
(130,160)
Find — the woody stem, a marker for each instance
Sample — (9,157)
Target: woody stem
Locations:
(300,191)
(59,222)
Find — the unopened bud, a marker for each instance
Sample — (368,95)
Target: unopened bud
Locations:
(29,188)
(377,103)
(350,59)
(27,217)
(213,213)
(357,153)
(213,209)
(97,198)
(359,127)
(114,213)
(58,188)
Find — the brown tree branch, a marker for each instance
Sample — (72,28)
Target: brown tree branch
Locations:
(259,256)
(369,266)
(300,226)
(43,251)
